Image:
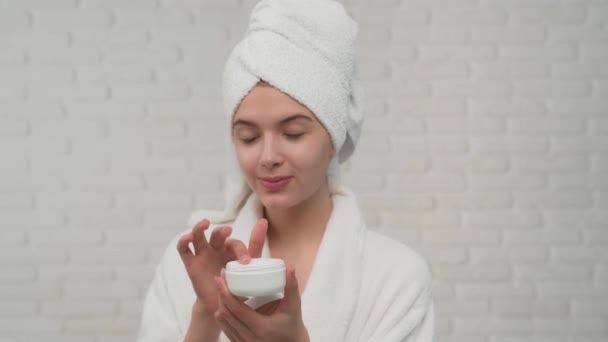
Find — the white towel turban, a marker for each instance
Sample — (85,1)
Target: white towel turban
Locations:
(306,49)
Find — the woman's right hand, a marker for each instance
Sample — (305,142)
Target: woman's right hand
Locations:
(211,256)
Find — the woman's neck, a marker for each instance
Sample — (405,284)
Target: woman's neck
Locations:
(302,224)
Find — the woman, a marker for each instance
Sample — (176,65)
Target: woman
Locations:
(293,114)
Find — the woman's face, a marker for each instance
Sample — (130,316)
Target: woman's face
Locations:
(277,137)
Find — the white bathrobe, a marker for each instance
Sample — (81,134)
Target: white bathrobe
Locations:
(363,286)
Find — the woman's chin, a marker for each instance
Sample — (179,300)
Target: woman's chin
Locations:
(275,200)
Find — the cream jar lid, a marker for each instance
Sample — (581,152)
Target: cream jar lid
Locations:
(256,265)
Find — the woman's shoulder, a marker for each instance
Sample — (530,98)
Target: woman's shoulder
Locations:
(387,257)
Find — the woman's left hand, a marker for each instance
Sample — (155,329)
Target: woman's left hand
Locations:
(276,321)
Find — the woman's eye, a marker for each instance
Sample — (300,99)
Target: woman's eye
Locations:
(248,140)
(294,136)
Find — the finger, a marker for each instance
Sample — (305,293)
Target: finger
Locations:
(258,236)
(184,249)
(239,328)
(291,298)
(227,329)
(200,241)
(246,315)
(218,236)
(268,308)
(238,249)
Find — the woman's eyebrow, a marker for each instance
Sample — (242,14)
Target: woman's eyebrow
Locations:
(282,122)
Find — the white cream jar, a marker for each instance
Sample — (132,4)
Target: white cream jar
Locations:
(262,279)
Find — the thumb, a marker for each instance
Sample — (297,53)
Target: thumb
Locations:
(292,291)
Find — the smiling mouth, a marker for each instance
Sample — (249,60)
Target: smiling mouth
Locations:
(275,183)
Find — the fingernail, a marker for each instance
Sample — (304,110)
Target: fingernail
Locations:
(245,259)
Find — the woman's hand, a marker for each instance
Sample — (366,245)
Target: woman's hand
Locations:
(211,256)
(276,321)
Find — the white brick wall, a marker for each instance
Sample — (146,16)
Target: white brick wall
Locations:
(485,148)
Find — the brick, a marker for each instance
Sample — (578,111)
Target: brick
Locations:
(39,39)
(190,111)
(14,57)
(435,218)
(558,52)
(113,181)
(413,164)
(64,237)
(471,52)
(88,111)
(407,202)
(100,325)
(551,89)
(561,271)
(97,291)
(12,238)
(15,19)
(108,39)
(488,289)
(482,89)
(154,129)
(116,74)
(28,291)
(118,4)
(595,307)
(64,56)
(155,200)
(128,55)
(78,308)
(72,93)
(512,108)
(166,182)
(485,271)
(17,274)
(448,255)
(469,16)
(481,163)
(521,34)
(96,220)
(13,128)
(518,70)
(459,307)
(11,309)
(396,18)
(437,145)
(153,18)
(478,237)
(490,324)
(543,125)
(440,68)
(480,201)
(487,182)
(453,182)
(46,19)
(569,289)
(394,124)
(72,127)
(40,325)
(61,272)
(149,93)
(41,4)
(12,94)
(224,4)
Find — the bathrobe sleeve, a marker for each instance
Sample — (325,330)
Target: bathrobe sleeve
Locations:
(398,295)
(159,319)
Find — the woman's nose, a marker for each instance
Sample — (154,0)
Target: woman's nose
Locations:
(271,156)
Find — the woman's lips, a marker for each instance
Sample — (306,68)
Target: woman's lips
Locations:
(275,185)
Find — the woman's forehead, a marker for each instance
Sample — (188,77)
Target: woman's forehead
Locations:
(267,105)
